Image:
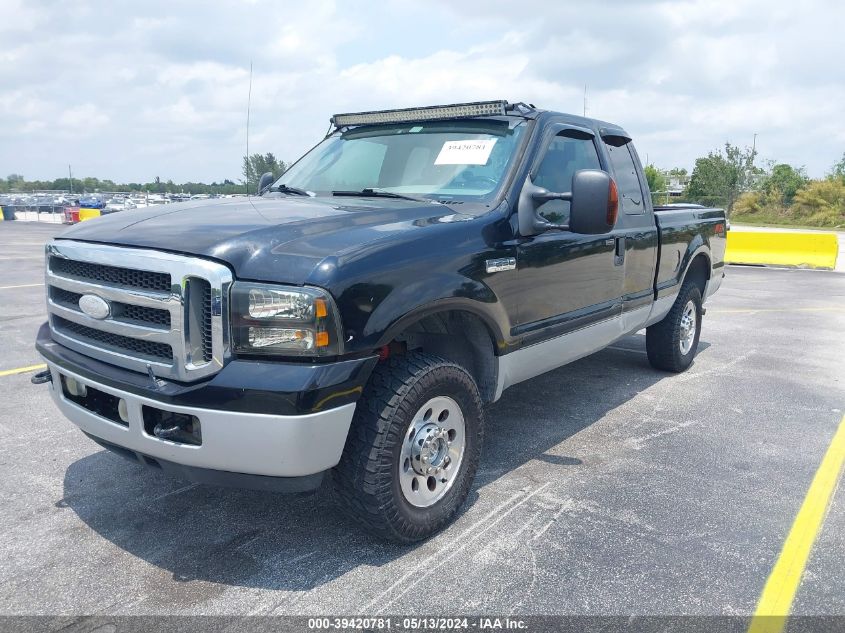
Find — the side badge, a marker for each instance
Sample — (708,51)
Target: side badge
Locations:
(499,265)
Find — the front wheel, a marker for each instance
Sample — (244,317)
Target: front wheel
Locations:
(413,448)
(672,343)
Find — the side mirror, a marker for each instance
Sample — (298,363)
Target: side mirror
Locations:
(265,182)
(530,198)
(595,202)
(593,205)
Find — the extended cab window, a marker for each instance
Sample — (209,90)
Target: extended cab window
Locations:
(568,152)
(630,192)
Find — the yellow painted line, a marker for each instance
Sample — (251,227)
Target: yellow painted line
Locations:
(20,286)
(22,370)
(776,600)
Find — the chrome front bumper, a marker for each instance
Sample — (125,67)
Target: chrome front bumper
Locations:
(236,442)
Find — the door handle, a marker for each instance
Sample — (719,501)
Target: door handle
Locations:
(619,253)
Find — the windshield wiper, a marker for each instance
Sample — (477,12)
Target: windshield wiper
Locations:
(292,190)
(369,192)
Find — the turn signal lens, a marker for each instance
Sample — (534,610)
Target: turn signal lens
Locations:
(320,308)
(612,204)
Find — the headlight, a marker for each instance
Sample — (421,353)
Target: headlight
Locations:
(268,319)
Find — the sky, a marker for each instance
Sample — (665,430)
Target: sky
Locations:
(134,90)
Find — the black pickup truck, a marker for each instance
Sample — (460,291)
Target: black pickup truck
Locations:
(350,322)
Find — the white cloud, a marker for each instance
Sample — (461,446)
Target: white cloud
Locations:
(83,120)
(130,92)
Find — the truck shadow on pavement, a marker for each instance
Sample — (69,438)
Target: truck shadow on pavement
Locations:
(295,543)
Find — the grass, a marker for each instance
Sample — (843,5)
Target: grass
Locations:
(819,204)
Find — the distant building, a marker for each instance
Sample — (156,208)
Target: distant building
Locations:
(678,181)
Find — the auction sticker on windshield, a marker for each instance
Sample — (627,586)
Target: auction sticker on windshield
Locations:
(465,152)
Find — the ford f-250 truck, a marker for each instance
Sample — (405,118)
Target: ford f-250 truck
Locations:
(350,322)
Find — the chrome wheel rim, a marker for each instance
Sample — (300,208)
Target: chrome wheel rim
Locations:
(688,327)
(432,452)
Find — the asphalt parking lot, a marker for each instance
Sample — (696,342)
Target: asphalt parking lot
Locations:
(606,487)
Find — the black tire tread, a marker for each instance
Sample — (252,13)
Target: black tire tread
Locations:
(361,482)
(662,337)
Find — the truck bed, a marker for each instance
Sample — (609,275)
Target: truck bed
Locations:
(684,229)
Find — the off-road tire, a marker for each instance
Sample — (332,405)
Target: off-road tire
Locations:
(663,339)
(365,483)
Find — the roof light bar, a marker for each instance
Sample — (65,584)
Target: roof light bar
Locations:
(429,113)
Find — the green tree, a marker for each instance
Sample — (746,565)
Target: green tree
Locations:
(720,177)
(14,181)
(256,165)
(657,182)
(158,185)
(783,183)
(838,170)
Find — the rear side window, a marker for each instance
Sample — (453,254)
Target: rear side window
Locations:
(630,192)
(565,155)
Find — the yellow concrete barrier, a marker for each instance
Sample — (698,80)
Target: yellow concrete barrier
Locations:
(88,214)
(782,248)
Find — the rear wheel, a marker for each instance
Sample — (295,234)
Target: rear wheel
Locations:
(672,343)
(413,448)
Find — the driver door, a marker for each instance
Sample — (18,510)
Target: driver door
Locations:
(568,281)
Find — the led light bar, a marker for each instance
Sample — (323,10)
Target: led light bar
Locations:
(429,113)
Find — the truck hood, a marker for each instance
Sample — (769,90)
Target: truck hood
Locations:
(273,238)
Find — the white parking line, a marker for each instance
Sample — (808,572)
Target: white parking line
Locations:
(394,591)
(20,286)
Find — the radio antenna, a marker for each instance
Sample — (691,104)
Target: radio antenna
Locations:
(248,104)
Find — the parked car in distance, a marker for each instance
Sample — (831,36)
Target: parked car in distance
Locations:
(118,204)
(92,201)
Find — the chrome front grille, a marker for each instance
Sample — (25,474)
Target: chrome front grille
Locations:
(112,275)
(139,315)
(147,350)
(167,313)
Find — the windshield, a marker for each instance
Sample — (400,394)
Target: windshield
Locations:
(441,160)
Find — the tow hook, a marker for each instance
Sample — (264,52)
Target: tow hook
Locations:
(173,433)
(181,432)
(41,377)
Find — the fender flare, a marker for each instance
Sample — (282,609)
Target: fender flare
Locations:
(446,305)
(703,249)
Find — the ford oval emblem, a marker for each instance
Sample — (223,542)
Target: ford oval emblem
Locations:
(94,306)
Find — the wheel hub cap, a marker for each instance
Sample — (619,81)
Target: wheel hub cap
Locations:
(689,322)
(432,452)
